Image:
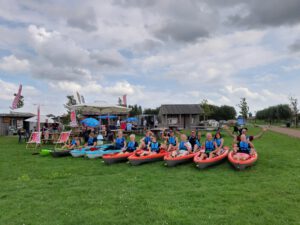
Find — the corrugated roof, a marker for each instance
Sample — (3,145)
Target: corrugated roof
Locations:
(181,109)
(17,114)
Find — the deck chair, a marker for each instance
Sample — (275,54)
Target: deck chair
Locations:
(34,140)
(63,138)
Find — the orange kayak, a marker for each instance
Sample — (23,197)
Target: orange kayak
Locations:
(242,164)
(203,163)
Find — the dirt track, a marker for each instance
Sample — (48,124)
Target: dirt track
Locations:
(288,131)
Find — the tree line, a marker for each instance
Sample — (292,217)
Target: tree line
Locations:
(275,113)
(224,112)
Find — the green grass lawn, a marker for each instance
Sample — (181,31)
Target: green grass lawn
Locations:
(45,190)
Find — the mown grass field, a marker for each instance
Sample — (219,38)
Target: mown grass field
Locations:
(39,190)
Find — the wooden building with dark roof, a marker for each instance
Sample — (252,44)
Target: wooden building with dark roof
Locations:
(180,115)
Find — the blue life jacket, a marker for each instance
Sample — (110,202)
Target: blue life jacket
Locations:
(218,141)
(131,146)
(209,146)
(154,146)
(172,140)
(244,147)
(147,139)
(120,142)
(73,142)
(91,141)
(198,142)
(182,146)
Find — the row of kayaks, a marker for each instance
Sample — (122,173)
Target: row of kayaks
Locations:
(111,156)
(89,152)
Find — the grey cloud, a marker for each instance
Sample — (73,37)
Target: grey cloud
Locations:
(147,46)
(107,58)
(295,47)
(85,20)
(182,31)
(47,71)
(268,13)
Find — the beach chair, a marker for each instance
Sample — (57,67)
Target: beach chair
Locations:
(63,139)
(34,140)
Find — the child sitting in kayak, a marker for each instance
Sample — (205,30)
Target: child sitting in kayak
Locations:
(74,143)
(120,142)
(244,146)
(131,145)
(209,146)
(219,142)
(198,145)
(152,148)
(145,140)
(172,142)
(92,140)
(184,147)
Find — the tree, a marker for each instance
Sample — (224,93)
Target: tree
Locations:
(206,108)
(135,110)
(225,112)
(152,111)
(277,112)
(244,108)
(20,103)
(294,108)
(120,102)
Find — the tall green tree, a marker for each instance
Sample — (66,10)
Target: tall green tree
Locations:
(152,111)
(225,112)
(206,109)
(294,108)
(244,108)
(135,110)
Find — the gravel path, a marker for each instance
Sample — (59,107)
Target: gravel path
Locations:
(288,131)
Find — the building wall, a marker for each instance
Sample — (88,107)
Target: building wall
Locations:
(3,127)
(183,121)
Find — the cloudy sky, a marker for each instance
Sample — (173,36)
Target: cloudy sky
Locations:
(156,52)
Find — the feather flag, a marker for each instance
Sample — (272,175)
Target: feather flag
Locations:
(17,98)
(73,122)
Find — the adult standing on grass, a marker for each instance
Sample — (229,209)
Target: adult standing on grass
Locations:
(244,131)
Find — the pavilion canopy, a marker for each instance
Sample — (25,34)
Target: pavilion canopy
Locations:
(43,119)
(100,109)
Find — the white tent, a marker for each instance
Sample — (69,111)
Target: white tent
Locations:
(43,119)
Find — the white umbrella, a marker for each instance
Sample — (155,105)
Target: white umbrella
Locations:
(43,119)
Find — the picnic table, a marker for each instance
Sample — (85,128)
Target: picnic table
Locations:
(206,128)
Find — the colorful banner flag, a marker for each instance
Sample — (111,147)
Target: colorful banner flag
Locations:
(17,98)
(73,122)
(125,100)
(38,125)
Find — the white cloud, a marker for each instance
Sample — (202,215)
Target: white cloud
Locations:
(13,64)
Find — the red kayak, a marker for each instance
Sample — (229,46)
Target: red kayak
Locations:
(174,161)
(135,159)
(116,158)
(201,164)
(242,164)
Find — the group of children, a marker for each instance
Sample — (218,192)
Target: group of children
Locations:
(211,147)
(186,145)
